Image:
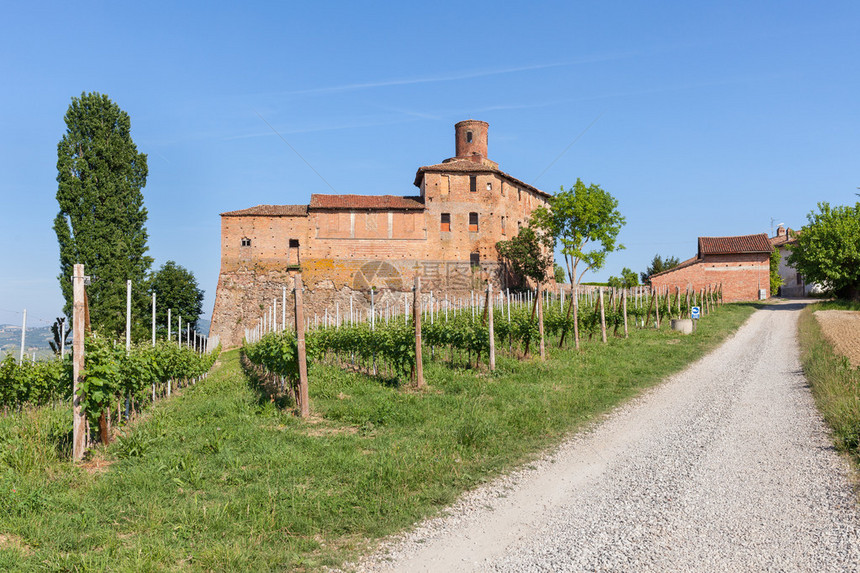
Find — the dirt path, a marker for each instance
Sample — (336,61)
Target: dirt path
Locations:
(725,467)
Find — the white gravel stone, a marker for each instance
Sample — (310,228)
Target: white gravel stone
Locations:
(724,467)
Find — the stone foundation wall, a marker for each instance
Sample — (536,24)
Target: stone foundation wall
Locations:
(244,294)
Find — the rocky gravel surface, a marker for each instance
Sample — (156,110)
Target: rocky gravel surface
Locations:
(724,467)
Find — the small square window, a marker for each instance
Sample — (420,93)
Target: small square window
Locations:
(446,222)
(473,183)
(246,242)
(294,243)
(473,222)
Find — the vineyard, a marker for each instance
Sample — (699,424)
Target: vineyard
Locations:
(203,469)
(102,374)
(383,343)
(111,377)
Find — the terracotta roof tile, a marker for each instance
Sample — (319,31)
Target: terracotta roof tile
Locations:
(725,246)
(376,202)
(270,211)
(467,166)
(734,245)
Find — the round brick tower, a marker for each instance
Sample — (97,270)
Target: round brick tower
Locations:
(470,140)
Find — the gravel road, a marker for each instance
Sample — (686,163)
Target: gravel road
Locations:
(726,466)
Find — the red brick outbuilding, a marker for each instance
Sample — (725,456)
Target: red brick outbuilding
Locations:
(740,264)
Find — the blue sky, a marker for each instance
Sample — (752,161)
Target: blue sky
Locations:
(705,118)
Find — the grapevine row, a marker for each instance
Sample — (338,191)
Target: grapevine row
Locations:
(110,376)
(387,347)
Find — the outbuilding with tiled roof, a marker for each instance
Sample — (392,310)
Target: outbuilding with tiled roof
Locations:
(739,264)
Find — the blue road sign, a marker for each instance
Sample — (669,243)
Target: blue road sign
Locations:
(695,313)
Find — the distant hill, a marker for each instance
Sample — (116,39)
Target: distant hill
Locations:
(37,340)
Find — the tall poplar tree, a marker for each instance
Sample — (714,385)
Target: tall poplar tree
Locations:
(101,221)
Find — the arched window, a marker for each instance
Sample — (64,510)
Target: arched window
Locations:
(246,242)
(468,137)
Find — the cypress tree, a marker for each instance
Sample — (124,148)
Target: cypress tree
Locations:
(101,221)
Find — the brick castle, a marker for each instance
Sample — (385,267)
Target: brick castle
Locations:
(344,245)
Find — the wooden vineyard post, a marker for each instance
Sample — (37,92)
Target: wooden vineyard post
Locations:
(650,304)
(624,305)
(678,300)
(602,318)
(574,304)
(540,320)
(576,318)
(301,356)
(490,326)
(78,325)
(153,340)
(613,303)
(416,315)
(528,337)
(657,309)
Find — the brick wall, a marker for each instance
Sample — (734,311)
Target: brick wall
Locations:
(741,275)
(344,252)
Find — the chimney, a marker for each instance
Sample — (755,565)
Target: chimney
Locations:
(780,231)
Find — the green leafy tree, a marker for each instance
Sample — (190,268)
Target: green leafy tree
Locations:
(529,254)
(558,271)
(101,221)
(827,250)
(176,288)
(586,221)
(658,265)
(775,280)
(628,279)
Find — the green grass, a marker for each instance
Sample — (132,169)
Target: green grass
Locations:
(219,479)
(835,384)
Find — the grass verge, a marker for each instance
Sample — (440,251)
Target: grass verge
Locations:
(218,479)
(835,384)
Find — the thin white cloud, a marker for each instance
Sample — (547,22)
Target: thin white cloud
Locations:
(456,76)
(327,127)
